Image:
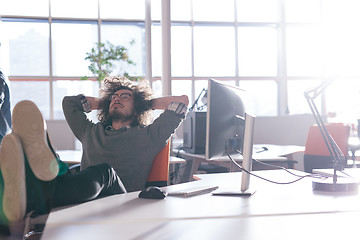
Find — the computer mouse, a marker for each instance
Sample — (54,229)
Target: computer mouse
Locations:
(153,193)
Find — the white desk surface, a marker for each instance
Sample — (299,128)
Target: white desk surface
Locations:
(292,211)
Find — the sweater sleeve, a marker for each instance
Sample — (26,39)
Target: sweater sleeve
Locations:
(164,126)
(75,116)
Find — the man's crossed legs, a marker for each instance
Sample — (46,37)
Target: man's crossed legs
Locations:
(32,178)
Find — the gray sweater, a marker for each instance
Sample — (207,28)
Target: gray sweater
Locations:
(129,151)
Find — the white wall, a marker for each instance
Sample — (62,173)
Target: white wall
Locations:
(283,130)
(60,134)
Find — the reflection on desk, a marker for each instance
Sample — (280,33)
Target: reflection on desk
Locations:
(280,212)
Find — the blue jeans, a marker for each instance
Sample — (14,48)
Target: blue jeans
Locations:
(5,111)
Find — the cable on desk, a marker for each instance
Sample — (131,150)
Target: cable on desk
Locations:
(271,181)
(348,175)
(279,167)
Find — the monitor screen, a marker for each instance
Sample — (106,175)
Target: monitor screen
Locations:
(224,119)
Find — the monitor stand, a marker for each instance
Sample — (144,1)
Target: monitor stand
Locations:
(244,190)
(248,192)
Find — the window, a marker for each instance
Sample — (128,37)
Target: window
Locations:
(304,48)
(25,7)
(250,10)
(37,91)
(78,9)
(69,47)
(214,51)
(213,10)
(297,101)
(71,87)
(26,45)
(257,51)
(47,55)
(261,97)
(181,57)
(123,34)
(124,9)
(274,49)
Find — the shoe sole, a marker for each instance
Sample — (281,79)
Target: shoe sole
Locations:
(12,164)
(29,125)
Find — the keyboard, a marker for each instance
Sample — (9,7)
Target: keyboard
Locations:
(193,191)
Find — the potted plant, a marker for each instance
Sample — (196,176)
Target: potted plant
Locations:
(102,58)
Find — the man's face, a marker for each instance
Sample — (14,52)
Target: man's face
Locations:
(122,105)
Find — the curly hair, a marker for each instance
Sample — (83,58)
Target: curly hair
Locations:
(142,99)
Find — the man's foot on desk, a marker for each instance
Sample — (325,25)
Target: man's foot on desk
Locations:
(13,186)
(30,126)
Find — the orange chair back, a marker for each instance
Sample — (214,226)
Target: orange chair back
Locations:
(315,144)
(159,173)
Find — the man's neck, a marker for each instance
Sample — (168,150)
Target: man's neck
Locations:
(119,124)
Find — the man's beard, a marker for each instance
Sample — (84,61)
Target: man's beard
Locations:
(118,116)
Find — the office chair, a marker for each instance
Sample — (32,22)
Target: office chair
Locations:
(158,176)
(159,173)
(317,155)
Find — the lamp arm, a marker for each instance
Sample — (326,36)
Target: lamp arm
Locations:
(321,125)
(336,154)
(197,100)
(317,90)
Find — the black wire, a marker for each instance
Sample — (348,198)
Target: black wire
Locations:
(271,181)
(345,173)
(279,167)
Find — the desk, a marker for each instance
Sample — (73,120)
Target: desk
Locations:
(275,154)
(279,212)
(74,157)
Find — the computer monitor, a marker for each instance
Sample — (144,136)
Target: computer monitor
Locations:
(224,119)
(229,127)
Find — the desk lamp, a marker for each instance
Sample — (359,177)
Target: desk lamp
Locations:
(335,184)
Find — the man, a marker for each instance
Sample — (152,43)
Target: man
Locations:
(123,137)
(32,178)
